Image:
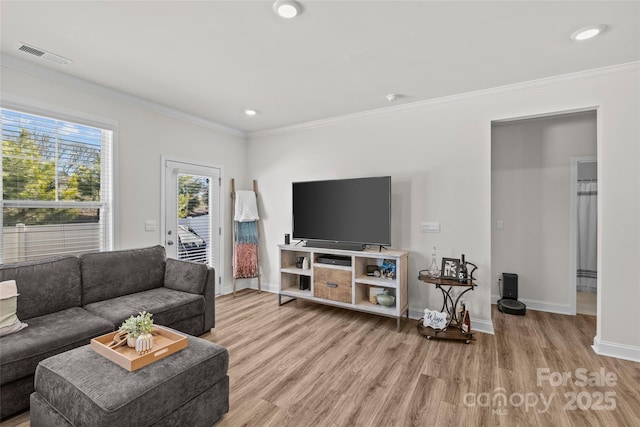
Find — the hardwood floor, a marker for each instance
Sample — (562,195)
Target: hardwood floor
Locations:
(303,364)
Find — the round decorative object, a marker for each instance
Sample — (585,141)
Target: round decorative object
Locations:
(144,343)
(385,299)
(131,341)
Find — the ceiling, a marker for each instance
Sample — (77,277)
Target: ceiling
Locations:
(214,59)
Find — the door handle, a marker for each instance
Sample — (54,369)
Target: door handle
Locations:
(169,242)
(332,285)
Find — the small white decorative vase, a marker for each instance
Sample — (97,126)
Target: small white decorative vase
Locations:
(144,343)
(131,341)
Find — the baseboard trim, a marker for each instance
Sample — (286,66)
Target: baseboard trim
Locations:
(482,325)
(267,287)
(619,351)
(550,307)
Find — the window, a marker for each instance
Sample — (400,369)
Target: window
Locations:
(56,187)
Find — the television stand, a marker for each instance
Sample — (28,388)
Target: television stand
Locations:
(351,282)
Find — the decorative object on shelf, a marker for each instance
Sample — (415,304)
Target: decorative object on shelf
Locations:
(385,299)
(435,319)
(372,270)
(462,271)
(433,271)
(466,322)
(299,261)
(450,267)
(373,294)
(135,326)
(459,310)
(305,263)
(389,269)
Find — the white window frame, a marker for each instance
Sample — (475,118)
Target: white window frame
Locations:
(110,235)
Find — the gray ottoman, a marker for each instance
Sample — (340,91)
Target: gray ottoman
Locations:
(82,388)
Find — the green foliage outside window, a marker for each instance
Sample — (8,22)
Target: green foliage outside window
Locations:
(193,196)
(36,168)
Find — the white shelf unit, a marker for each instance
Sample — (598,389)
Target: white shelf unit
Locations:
(345,286)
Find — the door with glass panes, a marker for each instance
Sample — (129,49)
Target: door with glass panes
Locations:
(192,213)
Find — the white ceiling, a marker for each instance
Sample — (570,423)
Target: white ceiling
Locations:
(213,59)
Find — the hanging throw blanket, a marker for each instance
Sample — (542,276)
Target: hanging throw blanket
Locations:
(246,232)
(245,250)
(246,208)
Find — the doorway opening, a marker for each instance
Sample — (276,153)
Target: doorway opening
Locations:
(584,205)
(533,207)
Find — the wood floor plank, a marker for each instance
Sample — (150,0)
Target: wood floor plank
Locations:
(304,364)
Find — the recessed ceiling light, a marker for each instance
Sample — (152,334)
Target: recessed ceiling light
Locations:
(587,33)
(287,8)
(250,112)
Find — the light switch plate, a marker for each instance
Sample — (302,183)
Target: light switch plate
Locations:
(500,225)
(149,225)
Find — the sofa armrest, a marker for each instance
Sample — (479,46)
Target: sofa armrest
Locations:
(210,299)
(195,278)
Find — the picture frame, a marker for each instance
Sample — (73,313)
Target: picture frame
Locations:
(450,268)
(388,269)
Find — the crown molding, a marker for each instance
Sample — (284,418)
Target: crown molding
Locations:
(581,76)
(69,80)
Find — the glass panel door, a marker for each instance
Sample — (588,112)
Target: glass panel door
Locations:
(192,213)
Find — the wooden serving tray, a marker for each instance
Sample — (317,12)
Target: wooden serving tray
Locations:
(165,342)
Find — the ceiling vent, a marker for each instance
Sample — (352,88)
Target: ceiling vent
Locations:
(51,57)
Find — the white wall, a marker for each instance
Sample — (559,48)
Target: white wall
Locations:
(142,137)
(530,194)
(436,151)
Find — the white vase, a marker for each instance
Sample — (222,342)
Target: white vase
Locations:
(131,341)
(144,343)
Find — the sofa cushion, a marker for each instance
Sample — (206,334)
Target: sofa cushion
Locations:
(47,335)
(168,306)
(107,275)
(45,286)
(185,276)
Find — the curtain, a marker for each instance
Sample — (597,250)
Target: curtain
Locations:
(587,235)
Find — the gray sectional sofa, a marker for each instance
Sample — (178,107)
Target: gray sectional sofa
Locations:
(68,300)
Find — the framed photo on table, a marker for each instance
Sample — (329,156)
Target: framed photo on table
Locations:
(450,268)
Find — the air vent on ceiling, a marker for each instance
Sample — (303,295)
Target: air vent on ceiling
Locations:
(52,57)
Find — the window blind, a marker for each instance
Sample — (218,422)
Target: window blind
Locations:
(57,187)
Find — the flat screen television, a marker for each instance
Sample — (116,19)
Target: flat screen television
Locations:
(343,213)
